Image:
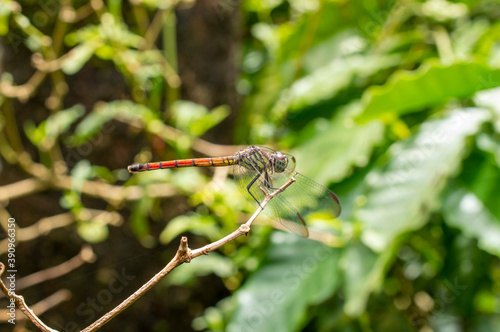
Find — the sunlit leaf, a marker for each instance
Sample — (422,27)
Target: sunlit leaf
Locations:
(93,231)
(45,134)
(194,223)
(489,98)
(95,121)
(78,56)
(466,36)
(275,297)
(481,174)
(325,82)
(400,193)
(5,11)
(462,209)
(261,6)
(364,271)
(432,84)
(214,263)
(195,118)
(80,173)
(443,10)
(336,147)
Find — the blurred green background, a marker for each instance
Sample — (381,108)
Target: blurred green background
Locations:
(392,104)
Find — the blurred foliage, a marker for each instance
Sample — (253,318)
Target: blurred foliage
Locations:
(396,102)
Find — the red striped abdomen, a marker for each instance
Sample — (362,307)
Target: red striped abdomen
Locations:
(196,162)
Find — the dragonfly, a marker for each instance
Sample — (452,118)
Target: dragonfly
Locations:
(259,171)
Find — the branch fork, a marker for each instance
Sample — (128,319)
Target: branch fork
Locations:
(183,255)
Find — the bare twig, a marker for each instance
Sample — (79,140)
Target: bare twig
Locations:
(244,228)
(168,133)
(154,29)
(44,178)
(184,255)
(41,307)
(19,300)
(25,91)
(46,225)
(21,188)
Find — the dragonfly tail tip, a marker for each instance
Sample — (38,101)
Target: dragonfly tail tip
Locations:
(133,168)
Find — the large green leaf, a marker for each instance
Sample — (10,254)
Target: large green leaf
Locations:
(364,273)
(47,132)
(194,223)
(489,98)
(94,122)
(296,273)
(215,263)
(336,147)
(464,210)
(5,12)
(400,192)
(79,56)
(432,84)
(194,118)
(325,82)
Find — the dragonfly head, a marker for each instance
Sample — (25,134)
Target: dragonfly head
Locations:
(280,162)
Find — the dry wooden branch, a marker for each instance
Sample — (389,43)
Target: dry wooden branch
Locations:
(183,255)
(19,300)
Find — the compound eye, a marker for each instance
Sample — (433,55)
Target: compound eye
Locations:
(281,157)
(281,162)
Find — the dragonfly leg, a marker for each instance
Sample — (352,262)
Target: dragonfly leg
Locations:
(250,185)
(259,170)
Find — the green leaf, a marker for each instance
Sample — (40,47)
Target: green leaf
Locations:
(93,231)
(276,296)
(47,132)
(196,119)
(5,12)
(194,223)
(79,174)
(326,82)
(94,122)
(339,46)
(214,263)
(61,121)
(432,84)
(359,262)
(139,222)
(261,5)
(489,99)
(364,273)
(79,56)
(466,37)
(403,189)
(348,144)
(465,211)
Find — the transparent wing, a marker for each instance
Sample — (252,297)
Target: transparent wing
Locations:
(294,205)
(278,208)
(308,196)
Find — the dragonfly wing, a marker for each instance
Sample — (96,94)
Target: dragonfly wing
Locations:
(308,196)
(244,178)
(296,203)
(277,208)
(280,209)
